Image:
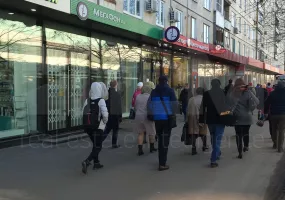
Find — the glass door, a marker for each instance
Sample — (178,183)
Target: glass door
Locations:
(57,67)
(67,79)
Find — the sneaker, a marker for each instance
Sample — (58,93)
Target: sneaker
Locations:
(85,166)
(214,165)
(97,166)
(163,168)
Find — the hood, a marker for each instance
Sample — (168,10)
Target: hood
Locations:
(96,91)
(161,87)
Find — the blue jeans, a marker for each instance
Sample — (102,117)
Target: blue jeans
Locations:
(217,132)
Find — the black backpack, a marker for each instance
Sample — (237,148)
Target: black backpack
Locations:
(91,114)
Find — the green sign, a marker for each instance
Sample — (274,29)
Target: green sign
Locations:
(88,10)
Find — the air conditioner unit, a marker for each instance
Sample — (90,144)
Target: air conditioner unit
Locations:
(236,31)
(265,32)
(174,16)
(150,6)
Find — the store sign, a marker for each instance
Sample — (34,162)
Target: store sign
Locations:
(172,34)
(218,50)
(240,70)
(267,66)
(60,5)
(85,9)
(199,46)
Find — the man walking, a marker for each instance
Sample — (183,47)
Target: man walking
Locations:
(275,106)
(229,87)
(114,106)
(162,106)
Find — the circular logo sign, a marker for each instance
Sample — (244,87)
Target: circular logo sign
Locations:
(82,11)
(218,47)
(172,34)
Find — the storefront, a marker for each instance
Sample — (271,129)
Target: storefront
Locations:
(48,62)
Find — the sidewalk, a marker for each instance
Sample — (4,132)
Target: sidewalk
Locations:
(39,172)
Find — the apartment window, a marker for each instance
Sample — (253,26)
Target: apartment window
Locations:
(239,24)
(233,19)
(227,39)
(206,33)
(219,36)
(219,6)
(245,6)
(245,27)
(240,3)
(179,23)
(238,48)
(248,33)
(244,50)
(253,34)
(133,7)
(233,45)
(207,4)
(160,13)
(193,28)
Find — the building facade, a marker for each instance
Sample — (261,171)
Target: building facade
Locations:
(51,51)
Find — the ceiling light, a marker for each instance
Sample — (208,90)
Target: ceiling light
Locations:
(33,10)
(165,50)
(143,45)
(10,13)
(188,51)
(179,49)
(174,51)
(195,53)
(155,47)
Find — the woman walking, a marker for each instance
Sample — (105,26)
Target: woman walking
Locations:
(142,124)
(95,107)
(244,102)
(195,129)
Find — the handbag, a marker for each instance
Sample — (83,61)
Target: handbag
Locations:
(171,118)
(185,137)
(132,114)
(228,118)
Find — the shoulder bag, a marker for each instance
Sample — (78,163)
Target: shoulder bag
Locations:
(229,118)
(171,118)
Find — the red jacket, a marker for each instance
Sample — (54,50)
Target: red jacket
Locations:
(269,90)
(137,92)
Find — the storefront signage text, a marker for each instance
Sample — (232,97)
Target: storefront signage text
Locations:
(199,45)
(108,16)
(53,1)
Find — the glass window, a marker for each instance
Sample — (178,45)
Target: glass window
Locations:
(207,4)
(240,3)
(227,39)
(233,19)
(133,7)
(245,6)
(206,33)
(239,24)
(219,6)
(180,73)
(20,59)
(193,28)
(245,27)
(249,31)
(244,50)
(233,45)
(160,13)
(238,48)
(180,21)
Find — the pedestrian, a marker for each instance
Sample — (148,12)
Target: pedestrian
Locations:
(183,99)
(275,106)
(213,104)
(244,102)
(269,88)
(195,129)
(162,106)
(229,87)
(114,106)
(262,95)
(251,88)
(136,93)
(96,107)
(142,124)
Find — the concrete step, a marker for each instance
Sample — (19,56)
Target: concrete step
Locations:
(64,137)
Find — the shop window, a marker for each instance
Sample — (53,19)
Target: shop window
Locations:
(133,7)
(20,58)
(206,33)
(180,73)
(219,36)
(193,28)
(179,24)
(207,4)
(160,13)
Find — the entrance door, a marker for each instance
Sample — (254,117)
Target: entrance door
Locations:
(151,70)
(67,79)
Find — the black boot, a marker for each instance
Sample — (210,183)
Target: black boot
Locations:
(97,166)
(140,152)
(152,148)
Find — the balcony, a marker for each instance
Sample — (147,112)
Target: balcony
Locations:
(228,25)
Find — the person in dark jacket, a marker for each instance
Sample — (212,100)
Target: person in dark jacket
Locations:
(229,87)
(261,94)
(275,105)
(184,96)
(114,106)
(212,106)
(160,115)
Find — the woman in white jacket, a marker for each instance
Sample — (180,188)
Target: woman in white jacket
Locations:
(97,91)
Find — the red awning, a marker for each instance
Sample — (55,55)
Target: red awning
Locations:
(255,63)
